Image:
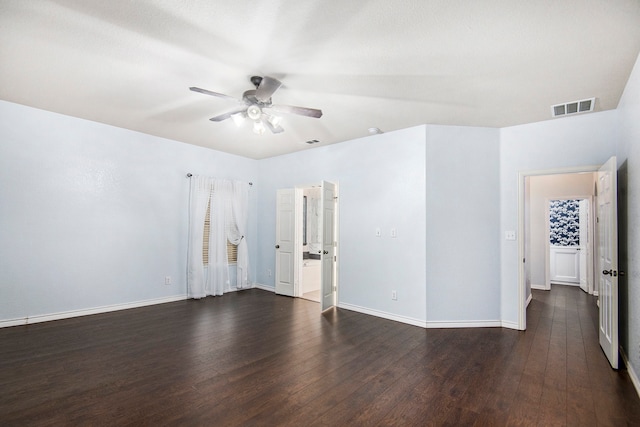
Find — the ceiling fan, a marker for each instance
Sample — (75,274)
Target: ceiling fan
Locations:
(257,106)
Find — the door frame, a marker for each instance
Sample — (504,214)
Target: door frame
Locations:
(591,230)
(522,298)
(297,265)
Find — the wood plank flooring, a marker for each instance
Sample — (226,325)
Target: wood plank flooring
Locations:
(252,358)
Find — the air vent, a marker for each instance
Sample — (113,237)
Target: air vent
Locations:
(312,141)
(575,107)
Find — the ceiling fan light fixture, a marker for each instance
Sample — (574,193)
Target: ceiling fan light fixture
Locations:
(254,112)
(258,127)
(238,119)
(275,120)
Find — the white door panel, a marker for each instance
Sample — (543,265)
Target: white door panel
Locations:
(608,259)
(565,264)
(327,278)
(285,242)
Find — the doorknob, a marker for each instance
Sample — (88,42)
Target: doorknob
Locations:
(277,246)
(605,272)
(325,252)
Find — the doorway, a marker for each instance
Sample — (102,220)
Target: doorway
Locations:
(569,241)
(558,235)
(606,254)
(307,243)
(536,188)
(311,236)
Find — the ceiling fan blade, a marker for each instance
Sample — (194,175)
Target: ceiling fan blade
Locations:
(208,92)
(302,111)
(267,87)
(227,115)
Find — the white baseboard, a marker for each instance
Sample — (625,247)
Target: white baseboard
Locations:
(465,324)
(560,282)
(539,287)
(429,324)
(529,300)
(510,325)
(85,312)
(631,371)
(264,287)
(384,315)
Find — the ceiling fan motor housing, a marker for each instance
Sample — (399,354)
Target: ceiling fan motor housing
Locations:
(256,80)
(249,97)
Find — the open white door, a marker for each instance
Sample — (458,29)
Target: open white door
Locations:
(328,273)
(583,218)
(285,241)
(608,259)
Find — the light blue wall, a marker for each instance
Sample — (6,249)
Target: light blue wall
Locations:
(381,184)
(628,153)
(445,262)
(463,224)
(580,140)
(92,215)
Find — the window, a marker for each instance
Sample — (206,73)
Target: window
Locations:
(232,250)
(232,253)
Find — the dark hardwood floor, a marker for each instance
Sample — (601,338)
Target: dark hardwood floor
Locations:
(253,358)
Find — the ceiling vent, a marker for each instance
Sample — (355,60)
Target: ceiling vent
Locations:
(575,107)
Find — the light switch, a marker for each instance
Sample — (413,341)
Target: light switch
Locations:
(510,235)
(378,233)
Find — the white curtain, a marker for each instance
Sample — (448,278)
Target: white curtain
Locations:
(237,231)
(228,220)
(218,268)
(199,194)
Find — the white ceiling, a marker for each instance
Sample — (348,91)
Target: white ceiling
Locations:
(365,63)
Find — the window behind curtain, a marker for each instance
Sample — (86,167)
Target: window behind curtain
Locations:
(232,250)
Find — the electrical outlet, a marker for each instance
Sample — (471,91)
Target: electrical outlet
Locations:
(378,233)
(167,280)
(394,233)
(394,295)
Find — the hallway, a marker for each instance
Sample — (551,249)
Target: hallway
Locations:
(566,367)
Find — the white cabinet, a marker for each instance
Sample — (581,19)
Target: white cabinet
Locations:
(310,275)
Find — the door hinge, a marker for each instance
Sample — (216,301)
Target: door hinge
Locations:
(335,288)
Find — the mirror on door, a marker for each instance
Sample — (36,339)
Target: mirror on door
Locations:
(311,249)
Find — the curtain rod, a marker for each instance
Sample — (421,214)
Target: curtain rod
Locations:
(189,175)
